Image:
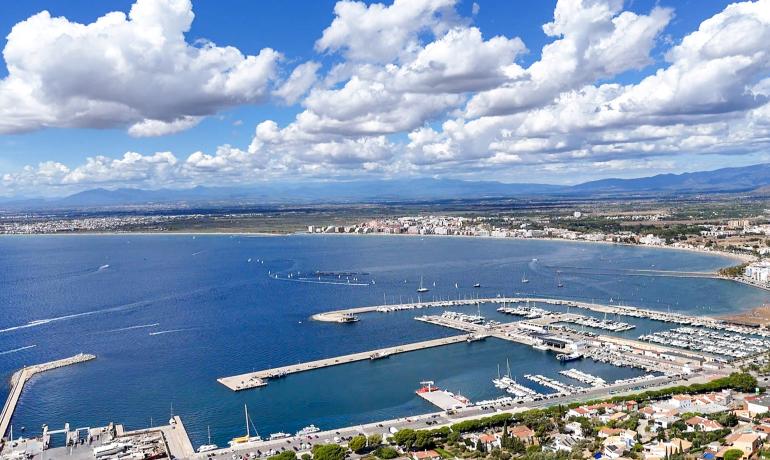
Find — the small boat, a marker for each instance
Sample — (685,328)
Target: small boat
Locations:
(279,435)
(348,318)
(310,429)
(524,278)
(477,285)
(208,447)
(563,357)
(558,280)
(422,288)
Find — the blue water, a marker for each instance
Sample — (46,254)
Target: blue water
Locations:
(222,315)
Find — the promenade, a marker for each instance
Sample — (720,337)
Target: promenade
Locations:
(258,378)
(20,378)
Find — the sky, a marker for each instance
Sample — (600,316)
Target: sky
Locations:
(180,93)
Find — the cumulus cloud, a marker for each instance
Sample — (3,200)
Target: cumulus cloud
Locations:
(379,33)
(132,70)
(299,82)
(409,88)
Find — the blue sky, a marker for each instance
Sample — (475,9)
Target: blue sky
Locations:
(402,127)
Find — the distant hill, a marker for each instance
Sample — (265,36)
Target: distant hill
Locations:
(742,179)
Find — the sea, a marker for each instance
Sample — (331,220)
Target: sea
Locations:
(167,315)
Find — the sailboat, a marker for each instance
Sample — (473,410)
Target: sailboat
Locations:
(208,447)
(248,437)
(558,280)
(422,288)
(524,278)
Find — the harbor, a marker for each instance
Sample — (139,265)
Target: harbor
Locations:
(22,376)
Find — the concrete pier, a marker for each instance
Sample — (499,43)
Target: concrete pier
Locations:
(658,315)
(20,378)
(257,379)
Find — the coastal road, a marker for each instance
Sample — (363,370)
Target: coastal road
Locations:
(434,420)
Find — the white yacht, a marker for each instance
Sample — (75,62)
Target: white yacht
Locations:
(422,288)
(247,437)
(310,429)
(208,447)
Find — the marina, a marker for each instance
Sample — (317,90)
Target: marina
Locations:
(267,326)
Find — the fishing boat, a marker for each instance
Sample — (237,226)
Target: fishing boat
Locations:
(422,288)
(247,438)
(208,447)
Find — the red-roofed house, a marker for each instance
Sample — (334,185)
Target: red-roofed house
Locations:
(426,455)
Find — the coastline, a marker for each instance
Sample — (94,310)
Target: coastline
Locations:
(743,258)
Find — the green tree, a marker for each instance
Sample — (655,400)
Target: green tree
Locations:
(306,456)
(357,444)
(733,454)
(405,438)
(386,453)
(374,440)
(329,452)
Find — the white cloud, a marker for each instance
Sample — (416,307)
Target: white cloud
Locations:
(595,40)
(150,128)
(120,70)
(299,82)
(411,89)
(379,33)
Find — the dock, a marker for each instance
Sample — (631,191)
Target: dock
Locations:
(20,378)
(257,379)
(444,400)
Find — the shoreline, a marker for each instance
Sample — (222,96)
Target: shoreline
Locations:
(744,258)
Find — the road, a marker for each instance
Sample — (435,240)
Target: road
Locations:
(436,419)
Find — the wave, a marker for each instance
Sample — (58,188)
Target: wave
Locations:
(8,352)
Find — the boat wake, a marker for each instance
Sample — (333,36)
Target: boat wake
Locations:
(171,331)
(8,352)
(130,328)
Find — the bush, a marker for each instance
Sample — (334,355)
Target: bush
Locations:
(733,454)
(285,455)
(357,444)
(386,453)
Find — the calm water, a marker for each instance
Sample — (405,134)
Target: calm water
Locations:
(172,313)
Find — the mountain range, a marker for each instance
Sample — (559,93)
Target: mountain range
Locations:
(754,178)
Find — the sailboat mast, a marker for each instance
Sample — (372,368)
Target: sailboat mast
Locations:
(246,411)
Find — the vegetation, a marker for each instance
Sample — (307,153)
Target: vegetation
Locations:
(329,452)
(734,271)
(357,444)
(733,454)
(285,455)
(386,453)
